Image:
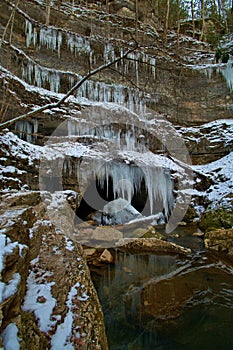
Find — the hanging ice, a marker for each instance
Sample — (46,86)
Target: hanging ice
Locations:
(125,140)
(127,181)
(227,72)
(51,38)
(41,76)
(78,44)
(27,130)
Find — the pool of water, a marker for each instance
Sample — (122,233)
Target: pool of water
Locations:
(163,302)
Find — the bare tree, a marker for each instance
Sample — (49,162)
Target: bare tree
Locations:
(156,7)
(108,24)
(10,22)
(72,10)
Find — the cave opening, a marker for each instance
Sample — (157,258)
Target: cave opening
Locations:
(97,195)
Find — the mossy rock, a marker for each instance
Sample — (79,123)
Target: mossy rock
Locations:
(215,219)
(153,233)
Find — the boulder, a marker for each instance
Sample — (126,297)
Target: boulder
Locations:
(220,240)
(118,212)
(153,245)
(106,257)
(107,234)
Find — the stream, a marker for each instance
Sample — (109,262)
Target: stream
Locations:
(167,302)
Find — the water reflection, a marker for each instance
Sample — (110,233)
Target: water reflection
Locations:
(160,302)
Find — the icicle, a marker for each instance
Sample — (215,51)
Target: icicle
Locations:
(24,130)
(54,80)
(51,39)
(77,44)
(71,81)
(59,43)
(227,73)
(28,32)
(28,72)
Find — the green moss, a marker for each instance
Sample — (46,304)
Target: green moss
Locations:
(214,219)
(152,233)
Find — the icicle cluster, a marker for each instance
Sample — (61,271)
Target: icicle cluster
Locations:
(48,37)
(78,44)
(227,73)
(226,70)
(52,38)
(134,100)
(40,76)
(122,95)
(126,180)
(125,140)
(27,130)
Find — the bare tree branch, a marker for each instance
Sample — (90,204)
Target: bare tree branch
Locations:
(10,21)
(70,92)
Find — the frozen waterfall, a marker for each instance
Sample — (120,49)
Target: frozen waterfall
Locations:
(126,181)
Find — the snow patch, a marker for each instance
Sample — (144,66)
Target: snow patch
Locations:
(10,337)
(42,310)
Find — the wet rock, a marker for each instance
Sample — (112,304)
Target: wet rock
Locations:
(106,257)
(89,252)
(154,245)
(165,298)
(153,233)
(220,240)
(107,234)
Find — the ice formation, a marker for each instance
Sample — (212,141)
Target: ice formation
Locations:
(227,72)
(48,37)
(52,38)
(225,69)
(126,181)
(40,76)
(27,130)
(133,99)
(118,212)
(78,44)
(125,140)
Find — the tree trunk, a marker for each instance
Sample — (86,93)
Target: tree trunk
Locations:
(166,22)
(219,9)
(156,8)
(108,24)
(72,13)
(193,21)
(47,14)
(178,24)
(136,19)
(203,19)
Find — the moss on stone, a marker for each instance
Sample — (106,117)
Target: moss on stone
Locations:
(214,219)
